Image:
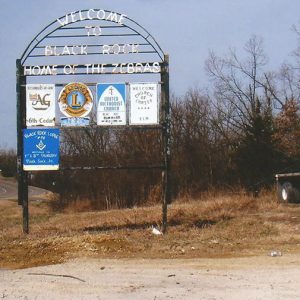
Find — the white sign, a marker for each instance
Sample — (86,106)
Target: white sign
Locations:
(40,105)
(88,69)
(92,14)
(143,104)
(85,49)
(111,109)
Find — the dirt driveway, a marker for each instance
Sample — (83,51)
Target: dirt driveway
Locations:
(276,278)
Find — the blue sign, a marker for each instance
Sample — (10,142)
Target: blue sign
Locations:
(76,121)
(41,149)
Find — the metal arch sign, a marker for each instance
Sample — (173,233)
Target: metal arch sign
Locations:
(94,42)
(86,43)
(92,32)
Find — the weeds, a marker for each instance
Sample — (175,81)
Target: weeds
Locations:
(228,225)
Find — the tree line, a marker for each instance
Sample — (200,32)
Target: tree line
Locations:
(239,132)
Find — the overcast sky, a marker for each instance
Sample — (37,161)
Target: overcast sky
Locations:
(186,30)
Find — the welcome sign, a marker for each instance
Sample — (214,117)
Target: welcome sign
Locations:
(63,80)
(94,25)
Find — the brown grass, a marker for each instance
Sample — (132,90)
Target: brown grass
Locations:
(215,226)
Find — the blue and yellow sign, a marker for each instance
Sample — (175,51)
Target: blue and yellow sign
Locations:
(75,100)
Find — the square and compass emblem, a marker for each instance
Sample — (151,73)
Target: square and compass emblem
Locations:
(41,149)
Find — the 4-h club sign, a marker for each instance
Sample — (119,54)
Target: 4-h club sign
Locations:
(90,68)
(40,105)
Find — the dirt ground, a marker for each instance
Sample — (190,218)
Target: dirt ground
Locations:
(263,277)
(217,247)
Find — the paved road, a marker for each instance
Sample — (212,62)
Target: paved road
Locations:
(9,190)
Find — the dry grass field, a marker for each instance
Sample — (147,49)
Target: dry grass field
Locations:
(214,226)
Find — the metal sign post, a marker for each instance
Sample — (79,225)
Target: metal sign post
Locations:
(21,124)
(166,141)
(124,49)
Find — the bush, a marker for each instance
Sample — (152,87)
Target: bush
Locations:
(8,164)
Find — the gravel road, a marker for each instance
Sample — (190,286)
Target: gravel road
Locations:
(274,278)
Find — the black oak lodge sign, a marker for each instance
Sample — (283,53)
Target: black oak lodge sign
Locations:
(89,67)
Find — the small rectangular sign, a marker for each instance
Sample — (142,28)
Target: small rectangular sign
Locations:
(40,105)
(76,121)
(111,104)
(41,149)
(143,104)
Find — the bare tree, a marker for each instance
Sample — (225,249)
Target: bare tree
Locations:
(199,154)
(238,85)
(243,97)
